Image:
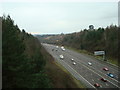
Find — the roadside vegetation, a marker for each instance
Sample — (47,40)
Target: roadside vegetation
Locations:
(22,62)
(26,64)
(110,60)
(90,40)
(59,76)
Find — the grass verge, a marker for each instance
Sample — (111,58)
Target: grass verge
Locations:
(58,75)
(110,60)
(78,83)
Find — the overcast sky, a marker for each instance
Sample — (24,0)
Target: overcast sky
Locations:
(60,17)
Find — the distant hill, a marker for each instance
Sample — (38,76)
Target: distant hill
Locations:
(22,60)
(51,39)
(91,40)
(26,63)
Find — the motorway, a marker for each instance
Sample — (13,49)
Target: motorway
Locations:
(89,75)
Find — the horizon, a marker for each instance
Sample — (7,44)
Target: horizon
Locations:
(60,17)
(70,32)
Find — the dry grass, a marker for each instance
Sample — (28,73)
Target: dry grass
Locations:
(58,75)
(110,60)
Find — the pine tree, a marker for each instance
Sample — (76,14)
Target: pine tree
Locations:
(21,70)
(13,53)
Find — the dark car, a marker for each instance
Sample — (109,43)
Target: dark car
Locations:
(110,75)
(103,79)
(106,69)
(97,85)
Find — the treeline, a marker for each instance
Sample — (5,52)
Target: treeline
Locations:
(22,60)
(94,40)
(51,39)
(91,40)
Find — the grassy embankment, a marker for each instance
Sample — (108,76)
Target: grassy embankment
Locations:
(110,60)
(59,76)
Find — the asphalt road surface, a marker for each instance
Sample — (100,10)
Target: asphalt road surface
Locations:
(88,74)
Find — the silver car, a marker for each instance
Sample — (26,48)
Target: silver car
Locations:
(89,63)
(61,56)
(74,63)
(72,59)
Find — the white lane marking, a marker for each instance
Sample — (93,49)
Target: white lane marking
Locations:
(113,64)
(106,75)
(95,72)
(99,75)
(92,79)
(107,84)
(104,63)
(91,73)
(78,74)
(102,73)
(97,62)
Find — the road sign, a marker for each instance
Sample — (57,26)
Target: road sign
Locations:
(99,53)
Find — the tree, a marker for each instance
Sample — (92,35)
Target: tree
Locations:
(13,53)
(21,69)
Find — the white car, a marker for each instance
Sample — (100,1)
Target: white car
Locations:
(63,48)
(56,46)
(61,57)
(74,63)
(72,59)
(89,63)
